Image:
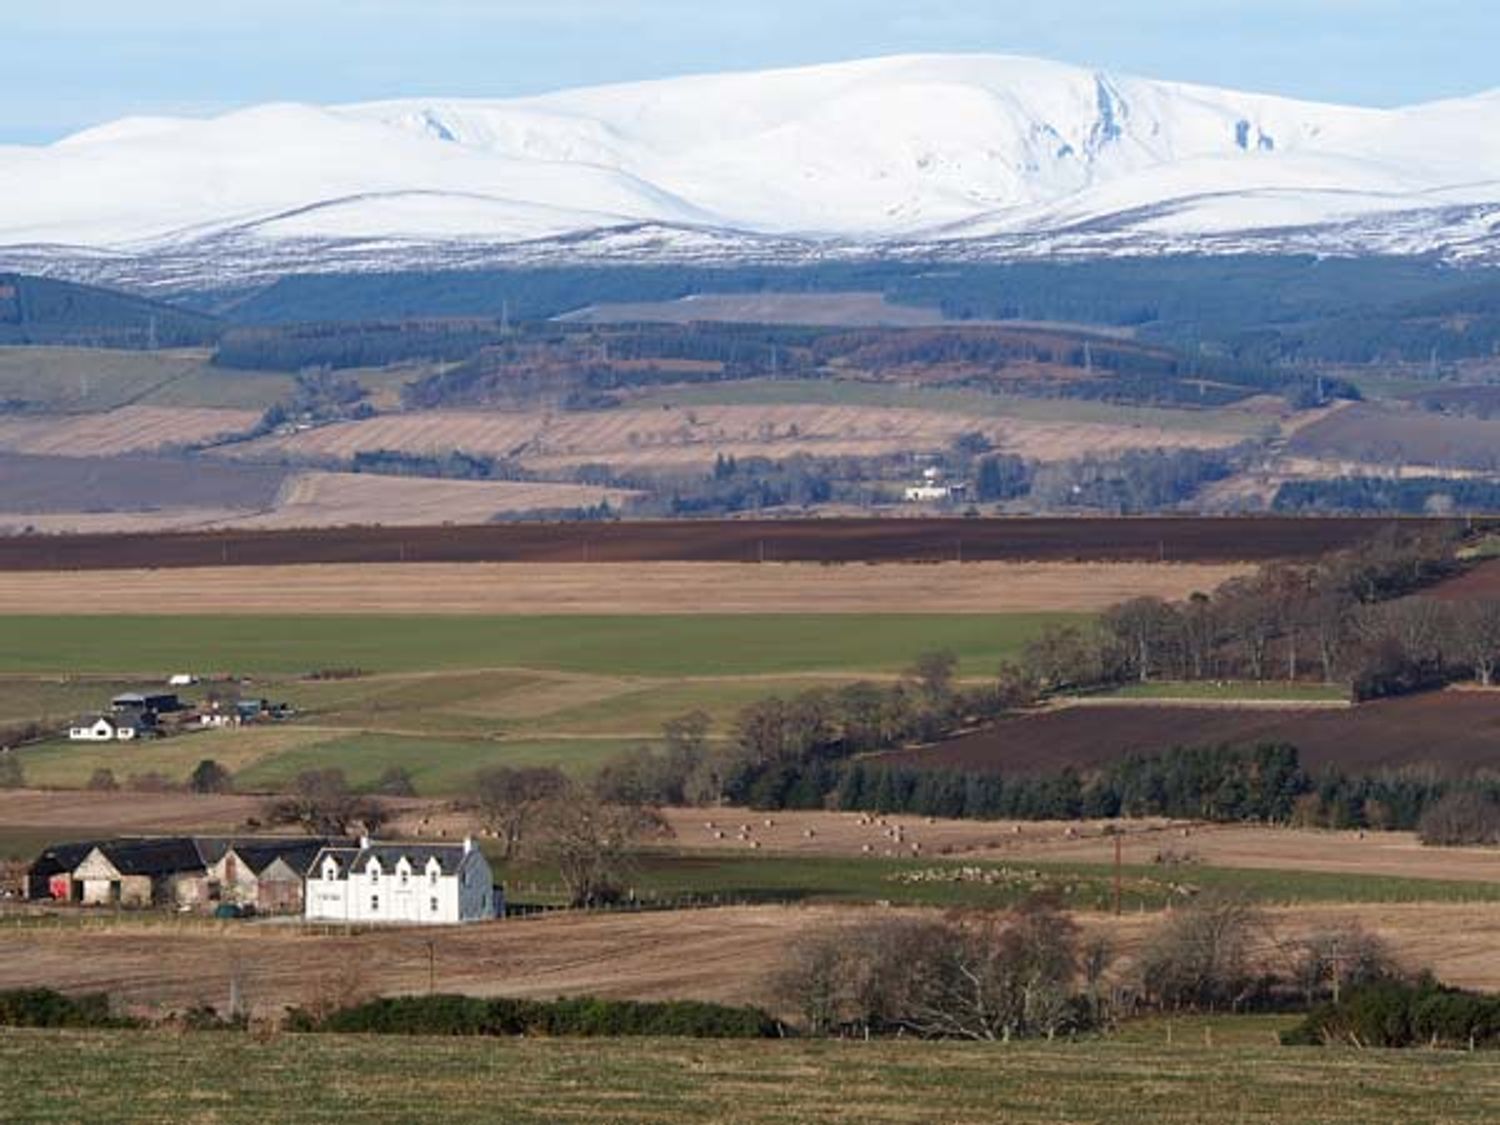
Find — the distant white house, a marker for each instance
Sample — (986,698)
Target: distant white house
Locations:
(106,728)
(933,487)
(390,882)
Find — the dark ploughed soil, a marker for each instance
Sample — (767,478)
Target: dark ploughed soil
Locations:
(1455,731)
(1168,539)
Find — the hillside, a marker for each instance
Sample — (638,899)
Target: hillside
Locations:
(36,310)
(966,155)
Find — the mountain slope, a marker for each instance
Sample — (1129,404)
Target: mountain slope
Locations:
(972,155)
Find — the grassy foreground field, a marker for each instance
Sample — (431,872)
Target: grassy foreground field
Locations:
(125,1076)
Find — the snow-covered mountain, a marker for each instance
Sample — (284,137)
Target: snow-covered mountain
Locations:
(965,156)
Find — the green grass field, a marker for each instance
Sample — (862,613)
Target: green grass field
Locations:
(669,876)
(446,696)
(664,646)
(48,1076)
(87,380)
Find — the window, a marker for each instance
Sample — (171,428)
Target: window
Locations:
(374,904)
(432,877)
(403,878)
(374,874)
(432,903)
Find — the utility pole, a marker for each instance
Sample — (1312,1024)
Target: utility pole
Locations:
(1119,841)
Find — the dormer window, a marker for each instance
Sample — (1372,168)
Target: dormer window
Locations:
(330,871)
(374,871)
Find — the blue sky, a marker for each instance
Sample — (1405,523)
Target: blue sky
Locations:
(72,63)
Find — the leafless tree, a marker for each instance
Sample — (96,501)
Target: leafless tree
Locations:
(979,976)
(507,799)
(1476,633)
(321,802)
(1328,961)
(1465,816)
(590,842)
(1144,627)
(1201,956)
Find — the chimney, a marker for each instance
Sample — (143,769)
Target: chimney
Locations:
(468,844)
(364,841)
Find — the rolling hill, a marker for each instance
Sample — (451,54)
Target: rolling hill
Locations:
(971,156)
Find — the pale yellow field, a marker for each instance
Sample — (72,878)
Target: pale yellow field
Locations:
(329,499)
(337,499)
(130,429)
(696,434)
(592,588)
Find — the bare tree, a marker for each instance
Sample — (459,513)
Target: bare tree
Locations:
(590,842)
(1328,961)
(975,976)
(321,802)
(1465,816)
(507,800)
(1201,956)
(1144,627)
(1477,635)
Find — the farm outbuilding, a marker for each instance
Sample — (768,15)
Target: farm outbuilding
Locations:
(194,872)
(134,872)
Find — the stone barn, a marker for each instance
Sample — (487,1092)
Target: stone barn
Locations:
(265,874)
(135,872)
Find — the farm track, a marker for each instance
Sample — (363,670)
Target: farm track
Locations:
(1062,539)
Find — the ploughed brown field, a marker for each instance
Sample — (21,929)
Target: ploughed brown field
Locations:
(1482,581)
(1152,539)
(1454,731)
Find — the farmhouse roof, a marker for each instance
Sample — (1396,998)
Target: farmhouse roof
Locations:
(61,858)
(166,855)
(341,855)
(298,854)
(450,857)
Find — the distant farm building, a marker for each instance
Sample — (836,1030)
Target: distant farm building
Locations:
(110,728)
(934,488)
(156,703)
(426,884)
(202,872)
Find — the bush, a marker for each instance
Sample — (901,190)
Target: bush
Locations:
(581,1016)
(1465,816)
(1403,1014)
(42,1007)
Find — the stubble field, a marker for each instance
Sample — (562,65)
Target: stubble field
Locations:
(610,588)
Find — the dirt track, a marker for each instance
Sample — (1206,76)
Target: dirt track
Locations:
(604,588)
(1156,539)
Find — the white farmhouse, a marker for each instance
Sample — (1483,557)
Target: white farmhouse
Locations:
(384,882)
(105,728)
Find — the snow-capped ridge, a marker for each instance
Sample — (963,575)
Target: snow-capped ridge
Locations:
(988,150)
